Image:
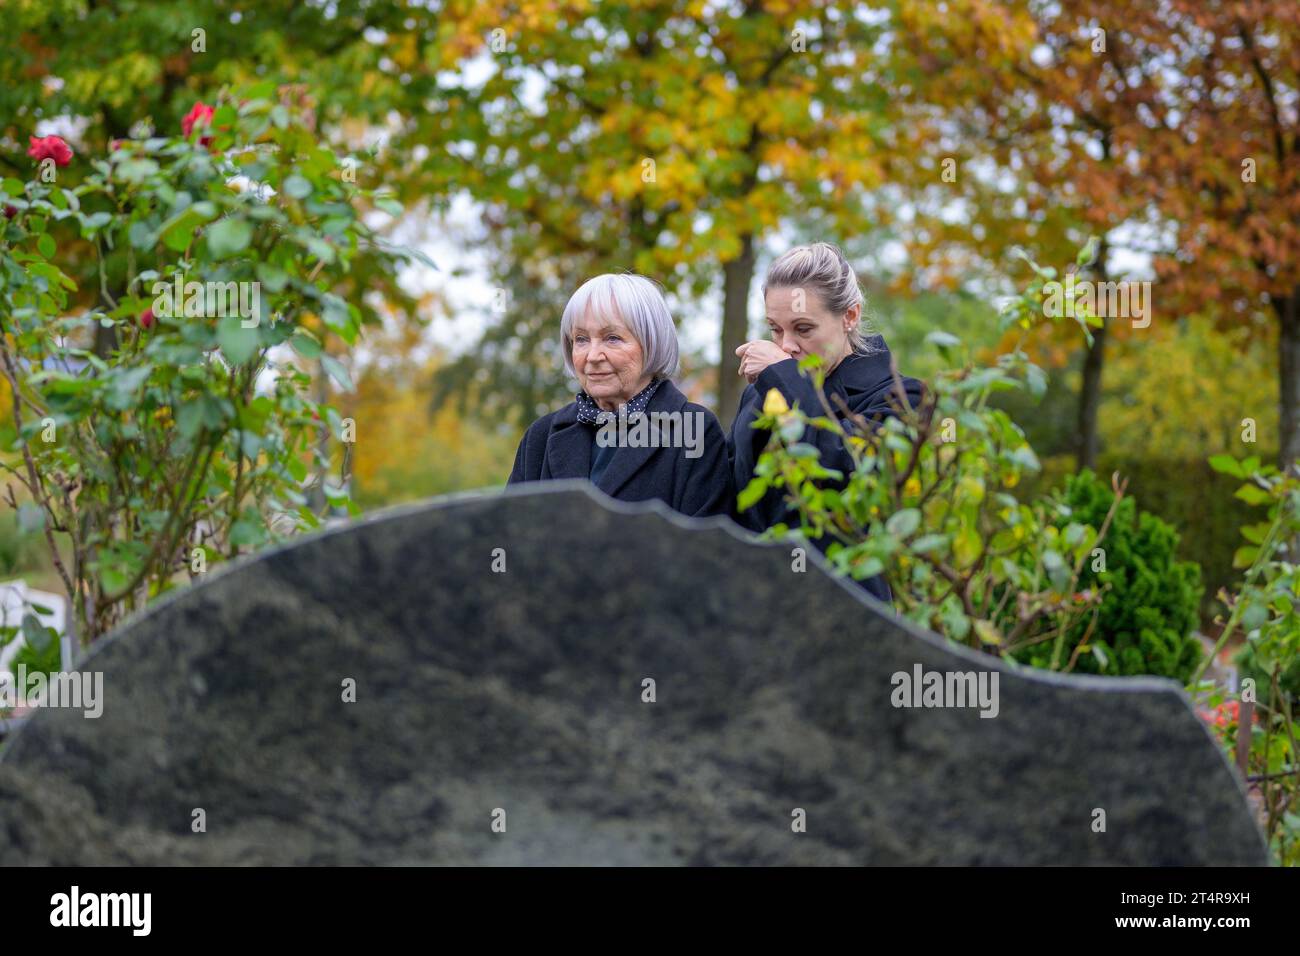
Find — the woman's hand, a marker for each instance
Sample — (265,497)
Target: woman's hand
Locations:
(758,355)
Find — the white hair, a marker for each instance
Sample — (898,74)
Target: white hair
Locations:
(639,303)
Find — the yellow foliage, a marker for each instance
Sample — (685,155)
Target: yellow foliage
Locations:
(403,452)
(1182,392)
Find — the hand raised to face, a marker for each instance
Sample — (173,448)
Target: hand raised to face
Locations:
(758,355)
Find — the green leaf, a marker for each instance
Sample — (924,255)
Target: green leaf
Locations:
(51,274)
(335,313)
(94,222)
(125,386)
(966,546)
(244,532)
(337,372)
(1252,494)
(988,634)
(1226,464)
(868,569)
(45,245)
(1088,252)
(903,523)
(1255,533)
(272,277)
(1056,568)
(753,493)
(113,578)
(136,170)
(804,451)
(188,419)
(237,343)
(228,237)
(305,344)
(792,429)
(37,635)
(140,235)
(319,248)
(297,187)
(928,542)
(178,233)
(1244,556)
(1253,615)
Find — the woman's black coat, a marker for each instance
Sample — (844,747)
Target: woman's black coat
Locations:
(559,446)
(864,381)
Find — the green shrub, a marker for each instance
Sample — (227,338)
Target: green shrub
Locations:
(927,500)
(1257,667)
(1149,608)
(163,437)
(1200,503)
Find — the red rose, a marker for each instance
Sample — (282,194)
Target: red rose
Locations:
(200,115)
(50,147)
(146,319)
(11,211)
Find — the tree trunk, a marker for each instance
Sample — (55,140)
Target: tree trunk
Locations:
(316,499)
(105,339)
(1090,401)
(737,276)
(1090,389)
(1288,348)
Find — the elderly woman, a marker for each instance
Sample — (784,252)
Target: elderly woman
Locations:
(814,305)
(630,431)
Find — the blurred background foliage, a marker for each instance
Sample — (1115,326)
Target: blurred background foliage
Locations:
(770,122)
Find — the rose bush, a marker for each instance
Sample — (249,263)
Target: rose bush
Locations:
(929,504)
(162,419)
(1265,610)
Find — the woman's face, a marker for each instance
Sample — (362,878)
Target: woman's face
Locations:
(608,360)
(800,324)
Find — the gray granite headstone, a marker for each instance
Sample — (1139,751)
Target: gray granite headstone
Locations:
(519,696)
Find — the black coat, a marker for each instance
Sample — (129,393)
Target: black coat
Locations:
(559,446)
(863,381)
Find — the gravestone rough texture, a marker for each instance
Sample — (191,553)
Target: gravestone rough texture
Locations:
(522,691)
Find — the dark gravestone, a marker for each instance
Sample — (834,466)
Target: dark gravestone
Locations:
(522,692)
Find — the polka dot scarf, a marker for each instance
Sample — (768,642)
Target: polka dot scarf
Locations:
(589,411)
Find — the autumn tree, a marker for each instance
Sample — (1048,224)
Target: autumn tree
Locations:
(1030,126)
(112,76)
(668,138)
(1171,128)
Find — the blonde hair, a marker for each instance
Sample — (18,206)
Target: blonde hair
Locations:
(821,267)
